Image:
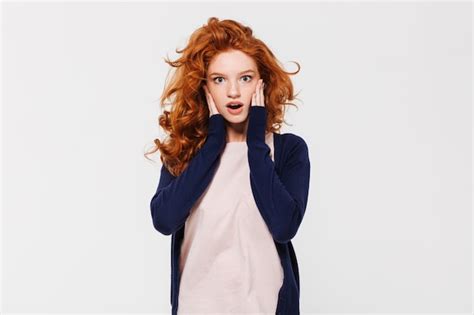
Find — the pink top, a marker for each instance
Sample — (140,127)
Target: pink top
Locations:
(239,269)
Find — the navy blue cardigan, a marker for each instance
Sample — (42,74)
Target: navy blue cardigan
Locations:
(280,189)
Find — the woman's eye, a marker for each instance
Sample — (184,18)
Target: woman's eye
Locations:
(249,76)
(216,78)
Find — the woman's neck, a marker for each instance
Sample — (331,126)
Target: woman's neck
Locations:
(236,132)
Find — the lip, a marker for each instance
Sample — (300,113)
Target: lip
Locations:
(235,111)
(234,102)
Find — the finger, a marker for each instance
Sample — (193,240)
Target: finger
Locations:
(208,96)
(254,100)
(211,100)
(205,91)
(257,98)
(259,93)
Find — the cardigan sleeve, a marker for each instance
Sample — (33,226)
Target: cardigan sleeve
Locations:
(281,200)
(175,196)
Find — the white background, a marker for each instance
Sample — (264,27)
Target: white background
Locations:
(385,108)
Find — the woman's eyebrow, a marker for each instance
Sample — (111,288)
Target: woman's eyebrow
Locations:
(249,70)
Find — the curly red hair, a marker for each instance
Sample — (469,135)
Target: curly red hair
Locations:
(187,122)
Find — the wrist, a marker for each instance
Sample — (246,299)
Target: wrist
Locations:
(257,124)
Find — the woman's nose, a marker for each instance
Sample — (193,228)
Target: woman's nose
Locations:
(233,90)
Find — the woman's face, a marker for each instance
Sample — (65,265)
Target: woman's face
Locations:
(232,76)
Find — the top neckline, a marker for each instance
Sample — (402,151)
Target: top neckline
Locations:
(237,142)
(267,134)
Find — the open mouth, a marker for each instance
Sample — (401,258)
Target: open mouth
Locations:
(235,108)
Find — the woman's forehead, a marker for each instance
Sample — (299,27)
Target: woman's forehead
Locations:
(233,62)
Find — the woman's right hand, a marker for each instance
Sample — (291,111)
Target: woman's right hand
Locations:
(210,102)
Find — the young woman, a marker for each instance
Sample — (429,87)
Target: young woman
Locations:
(232,190)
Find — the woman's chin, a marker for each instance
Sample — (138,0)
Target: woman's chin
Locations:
(236,119)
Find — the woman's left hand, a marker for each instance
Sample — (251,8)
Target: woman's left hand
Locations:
(258,98)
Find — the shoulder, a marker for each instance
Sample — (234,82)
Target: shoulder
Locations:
(291,147)
(290,141)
